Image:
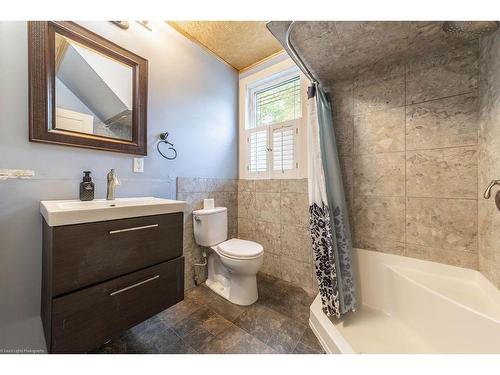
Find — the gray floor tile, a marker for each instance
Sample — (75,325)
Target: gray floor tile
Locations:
(198,337)
(304,349)
(309,339)
(260,321)
(195,320)
(152,336)
(285,339)
(288,300)
(206,323)
(203,296)
(178,312)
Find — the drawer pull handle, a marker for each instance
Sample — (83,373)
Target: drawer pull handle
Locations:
(133,285)
(134,228)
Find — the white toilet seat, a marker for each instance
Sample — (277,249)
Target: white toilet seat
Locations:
(240,249)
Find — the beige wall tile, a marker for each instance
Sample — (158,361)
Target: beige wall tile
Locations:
(268,235)
(347,167)
(298,273)
(315,286)
(442,123)
(246,185)
(194,201)
(455,258)
(246,229)
(343,126)
(296,243)
(452,72)
(232,227)
(247,204)
(294,186)
(342,92)
(228,200)
(379,223)
(222,185)
(489,230)
(489,130)
(449,224)
(191,185)
(271,265)
(268,186)
(188,240)
(489,157)
(188,271)
(379,174)
(378,95)
(268,207)
(295,209)
(490,270)
(380,131)
(450,173)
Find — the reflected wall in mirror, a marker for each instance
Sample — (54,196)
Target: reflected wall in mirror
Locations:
(95,91)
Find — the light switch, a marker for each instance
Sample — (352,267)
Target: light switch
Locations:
(138,165)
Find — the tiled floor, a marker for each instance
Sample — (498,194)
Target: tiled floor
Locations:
(207,323)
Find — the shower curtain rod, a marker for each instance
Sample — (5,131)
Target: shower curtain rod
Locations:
(295,55)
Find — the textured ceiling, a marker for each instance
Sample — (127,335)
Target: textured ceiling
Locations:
(240,44)
(336,50)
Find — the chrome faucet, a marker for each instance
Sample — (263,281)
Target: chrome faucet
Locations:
(112,182)
(487,192)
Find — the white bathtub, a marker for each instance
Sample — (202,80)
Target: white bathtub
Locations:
(413,306)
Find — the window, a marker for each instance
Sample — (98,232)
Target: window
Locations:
(273,114)
(279,103)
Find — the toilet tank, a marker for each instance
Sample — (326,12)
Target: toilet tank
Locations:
(210,226)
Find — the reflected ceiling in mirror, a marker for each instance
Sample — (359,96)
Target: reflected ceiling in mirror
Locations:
(93,92)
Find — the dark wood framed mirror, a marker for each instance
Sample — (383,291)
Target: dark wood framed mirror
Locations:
(84,90)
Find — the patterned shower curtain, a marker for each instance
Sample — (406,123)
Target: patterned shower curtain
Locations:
(329,223)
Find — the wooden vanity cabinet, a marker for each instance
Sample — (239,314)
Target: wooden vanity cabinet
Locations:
(99,279)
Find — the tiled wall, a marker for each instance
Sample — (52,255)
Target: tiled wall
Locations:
(408,143)
(275,214)
(193,191)
(489,157)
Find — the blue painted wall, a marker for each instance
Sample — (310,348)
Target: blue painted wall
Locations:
(191,94)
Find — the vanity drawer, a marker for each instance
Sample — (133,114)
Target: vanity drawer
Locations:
(87,254)
(86,319)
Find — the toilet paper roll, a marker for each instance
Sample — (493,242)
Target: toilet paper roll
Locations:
(208,204)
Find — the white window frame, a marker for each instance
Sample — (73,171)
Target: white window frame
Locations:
(248,86)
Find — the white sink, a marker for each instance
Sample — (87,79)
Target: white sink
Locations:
(68,212)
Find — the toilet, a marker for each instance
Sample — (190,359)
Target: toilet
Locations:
(232,264)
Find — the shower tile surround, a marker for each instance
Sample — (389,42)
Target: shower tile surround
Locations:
(489,157)
(407,136)
(413,166)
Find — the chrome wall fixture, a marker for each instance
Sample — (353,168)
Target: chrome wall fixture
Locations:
(121,24)
(164,139)
(487,192)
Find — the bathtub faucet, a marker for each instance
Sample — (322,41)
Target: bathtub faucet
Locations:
(487,192)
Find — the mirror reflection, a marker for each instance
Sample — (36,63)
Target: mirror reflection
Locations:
(93,92)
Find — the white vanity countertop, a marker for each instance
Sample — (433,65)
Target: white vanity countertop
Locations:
(66,212)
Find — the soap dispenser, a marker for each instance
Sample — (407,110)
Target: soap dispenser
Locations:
(86,187)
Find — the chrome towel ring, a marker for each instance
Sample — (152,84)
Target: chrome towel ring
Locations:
(164,139)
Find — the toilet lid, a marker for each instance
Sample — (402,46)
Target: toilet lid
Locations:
(237,248)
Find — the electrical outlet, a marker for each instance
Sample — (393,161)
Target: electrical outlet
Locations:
(138,165)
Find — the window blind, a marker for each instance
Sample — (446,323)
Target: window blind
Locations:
(283,149)
(258,151)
